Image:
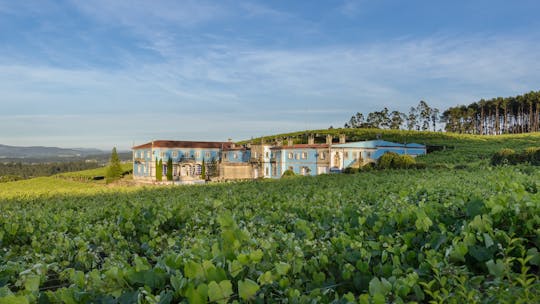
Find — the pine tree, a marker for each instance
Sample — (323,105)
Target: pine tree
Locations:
(159,170)
(114,170)
(169,169)
(203,170)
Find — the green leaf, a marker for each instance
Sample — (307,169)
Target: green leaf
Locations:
(193,270)
(256,256)
(221,292)
(197,295)
(496,268)
(474,208)
(379,286)
(247,289)
(31,283)
(12,299)
(266,278)
(235,267)
(535,260)
(282,268)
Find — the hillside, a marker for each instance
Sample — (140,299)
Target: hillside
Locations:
(44,152)
(443,147)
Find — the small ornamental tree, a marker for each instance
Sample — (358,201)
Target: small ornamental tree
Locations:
(203,170)
(159,170)
(114,170)
(169,169)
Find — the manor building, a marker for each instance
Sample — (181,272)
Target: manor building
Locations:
(228,161)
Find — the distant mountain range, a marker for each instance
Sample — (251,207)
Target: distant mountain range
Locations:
(46,152)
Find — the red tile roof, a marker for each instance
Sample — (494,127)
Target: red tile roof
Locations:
(183,144)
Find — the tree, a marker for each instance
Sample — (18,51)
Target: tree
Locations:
(396,120)
(203,170)
(411,119)
(159,170)
(169,169)
(114,170)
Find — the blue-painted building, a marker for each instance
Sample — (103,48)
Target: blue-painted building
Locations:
(259,161)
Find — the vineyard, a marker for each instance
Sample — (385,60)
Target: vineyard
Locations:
(437,236)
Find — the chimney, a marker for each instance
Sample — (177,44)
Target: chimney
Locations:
(342,138)
(329,139)
(311,139)
(290,141)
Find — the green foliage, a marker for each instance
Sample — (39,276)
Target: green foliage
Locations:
(114,170)
(507,156)
(288,173)
(391,160)
(169,169)
(203,170)
(430,236)
(159,170)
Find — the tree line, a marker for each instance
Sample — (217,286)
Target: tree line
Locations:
(517,114)
(420,118)
(21,170)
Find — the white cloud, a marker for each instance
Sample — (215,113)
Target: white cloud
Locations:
(238,91)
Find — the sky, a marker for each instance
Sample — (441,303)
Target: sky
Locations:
(104,73)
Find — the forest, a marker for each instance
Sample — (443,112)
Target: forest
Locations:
(500,115)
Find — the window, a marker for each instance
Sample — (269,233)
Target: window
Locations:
(323,155)
(274,170)
(368,154)
(297,155)
(147,154)
(224,155)
(207,154)
(290,155)
(235,155)
(175,154)
(346,154)
(162,155)
(197,154)
(303,171)
(304,155)
(198,169)
(267,155)
(254,154)
(267,171)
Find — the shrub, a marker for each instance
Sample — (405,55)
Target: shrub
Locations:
(169,169)
(114,170)
(387,160)
(351,170)
(533,155)
(288,173)
(391,160)
(504,157)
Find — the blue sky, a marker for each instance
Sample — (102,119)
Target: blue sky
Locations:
(109,73)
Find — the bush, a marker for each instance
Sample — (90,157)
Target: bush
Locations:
(288,173)
(504,157)
(533,155)
(114,170)
(387,160)
(391,160)
(351,170)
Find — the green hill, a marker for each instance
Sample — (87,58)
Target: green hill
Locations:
(443,147)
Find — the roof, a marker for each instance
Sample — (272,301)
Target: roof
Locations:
(183,144)
(415,145)
(373,144)
(302,146)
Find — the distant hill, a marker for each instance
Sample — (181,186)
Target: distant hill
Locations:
(45,152)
